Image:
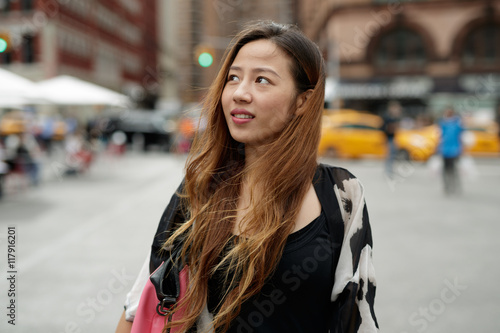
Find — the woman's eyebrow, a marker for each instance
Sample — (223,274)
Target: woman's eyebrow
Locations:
(257,70)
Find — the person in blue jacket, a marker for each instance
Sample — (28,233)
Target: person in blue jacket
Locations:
(451,148)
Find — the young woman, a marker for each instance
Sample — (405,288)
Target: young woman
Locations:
(274,241)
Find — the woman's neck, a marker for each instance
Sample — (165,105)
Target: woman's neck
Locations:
(252,154)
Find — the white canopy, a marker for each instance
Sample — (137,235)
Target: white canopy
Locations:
(68,90)
(16,90)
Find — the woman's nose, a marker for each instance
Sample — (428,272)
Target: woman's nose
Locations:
(242,93)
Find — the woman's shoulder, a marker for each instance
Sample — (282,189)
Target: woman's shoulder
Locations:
(344,183)
(339,175)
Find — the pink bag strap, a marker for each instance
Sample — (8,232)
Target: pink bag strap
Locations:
(148,319)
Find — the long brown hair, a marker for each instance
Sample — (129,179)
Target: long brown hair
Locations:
(278,181)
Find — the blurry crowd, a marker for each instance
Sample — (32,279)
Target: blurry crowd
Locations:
(28,141)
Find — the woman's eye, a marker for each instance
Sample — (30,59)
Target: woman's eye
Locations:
(261,79)
(232,78)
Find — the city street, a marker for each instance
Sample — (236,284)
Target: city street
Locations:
(80,241)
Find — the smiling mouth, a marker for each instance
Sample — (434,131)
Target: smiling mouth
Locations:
(243,116)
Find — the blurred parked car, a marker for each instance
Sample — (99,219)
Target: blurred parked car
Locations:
(352,134)
(144,128)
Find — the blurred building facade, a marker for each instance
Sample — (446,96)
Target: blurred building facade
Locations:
(109,42)
(205,26)
(426,54)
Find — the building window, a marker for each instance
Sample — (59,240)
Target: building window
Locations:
(482,47)
(74,43)
(400,50)
(28,49)
(26,4)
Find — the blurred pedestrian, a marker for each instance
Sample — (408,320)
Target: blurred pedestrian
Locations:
(263,228)
(450,148)
(117,144)
(78,154)
(46,134)
(71,124)
(27,158)
(497,119)
(391,122)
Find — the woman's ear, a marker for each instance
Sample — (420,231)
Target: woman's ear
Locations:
(301,102)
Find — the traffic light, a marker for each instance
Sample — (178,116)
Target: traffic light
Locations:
(4,42)
(204,55)
(205,59)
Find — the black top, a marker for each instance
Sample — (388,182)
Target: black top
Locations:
(296,298)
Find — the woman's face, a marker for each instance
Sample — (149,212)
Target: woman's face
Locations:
(260,95)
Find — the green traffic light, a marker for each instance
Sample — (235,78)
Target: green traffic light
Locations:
(3,45)
(205,59)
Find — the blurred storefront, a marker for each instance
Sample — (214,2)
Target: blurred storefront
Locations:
(425,54)
(373,94)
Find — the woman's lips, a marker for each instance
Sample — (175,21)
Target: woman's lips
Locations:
(241,116)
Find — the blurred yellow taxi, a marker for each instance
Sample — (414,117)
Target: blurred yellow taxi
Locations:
(355,134)
(417,144)
(12,123)
(481,140)
(352,134)
(420,144)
